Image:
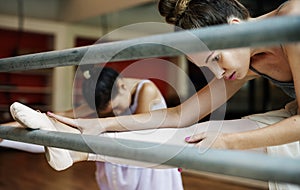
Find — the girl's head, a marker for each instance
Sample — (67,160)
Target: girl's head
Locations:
(192,14)
(189,14)
(104,91)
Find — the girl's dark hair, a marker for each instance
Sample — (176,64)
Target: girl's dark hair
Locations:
(100,87)
(189,14)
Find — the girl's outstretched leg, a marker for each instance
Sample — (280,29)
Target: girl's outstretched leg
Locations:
(33,148)
(59,159)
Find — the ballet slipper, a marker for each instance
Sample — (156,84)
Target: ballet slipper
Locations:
(59,159)
(27,116)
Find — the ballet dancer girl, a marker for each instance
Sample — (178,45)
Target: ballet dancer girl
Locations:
(117,95)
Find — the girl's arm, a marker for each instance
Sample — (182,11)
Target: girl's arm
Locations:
(216,93)
(83,110)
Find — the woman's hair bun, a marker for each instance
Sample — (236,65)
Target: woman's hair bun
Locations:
(172,9)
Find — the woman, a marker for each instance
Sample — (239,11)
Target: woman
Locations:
(233,67)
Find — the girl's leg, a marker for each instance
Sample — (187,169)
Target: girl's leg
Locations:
(33,148)
(176,136)
(61,159)
(173,136)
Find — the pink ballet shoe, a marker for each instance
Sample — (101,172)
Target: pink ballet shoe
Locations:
(20,112)
(59,159)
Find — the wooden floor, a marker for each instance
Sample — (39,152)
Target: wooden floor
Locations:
(28,171)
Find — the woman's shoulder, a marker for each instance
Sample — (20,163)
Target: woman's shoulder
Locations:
(291,7)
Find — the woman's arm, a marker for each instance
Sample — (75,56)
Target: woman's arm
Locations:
(216,93)
(293,54)
(285,131)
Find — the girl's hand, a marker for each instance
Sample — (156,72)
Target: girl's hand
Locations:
(85,126)
(210,140)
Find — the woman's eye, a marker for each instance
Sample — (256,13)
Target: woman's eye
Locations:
(216,58)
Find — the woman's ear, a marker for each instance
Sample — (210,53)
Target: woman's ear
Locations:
(121,86)
(233,20)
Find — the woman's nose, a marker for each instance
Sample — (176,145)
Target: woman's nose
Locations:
(217,70)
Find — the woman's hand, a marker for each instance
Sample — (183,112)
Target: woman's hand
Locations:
(210,140)
(85,126)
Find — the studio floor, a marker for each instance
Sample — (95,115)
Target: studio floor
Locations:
(27,171)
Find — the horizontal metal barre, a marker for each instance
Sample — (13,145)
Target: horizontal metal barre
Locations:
(235,163)
(266,32)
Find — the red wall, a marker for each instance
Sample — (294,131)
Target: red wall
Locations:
(14,43)
(154,69)
(22,86)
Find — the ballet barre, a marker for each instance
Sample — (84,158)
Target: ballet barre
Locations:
(266,32)
(234,163)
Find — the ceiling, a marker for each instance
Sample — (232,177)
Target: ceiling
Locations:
(108,14)
(91,12)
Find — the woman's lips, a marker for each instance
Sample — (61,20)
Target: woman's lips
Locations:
(231,77)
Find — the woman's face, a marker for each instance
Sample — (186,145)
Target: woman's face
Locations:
(229,64)
(119,104)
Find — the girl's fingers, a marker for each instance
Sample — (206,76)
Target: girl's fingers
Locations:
(63,119)
(195,138)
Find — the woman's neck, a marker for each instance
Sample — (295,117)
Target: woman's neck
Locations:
(259,50)
(272,62)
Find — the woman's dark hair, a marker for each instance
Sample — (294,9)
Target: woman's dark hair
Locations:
(100,87)
(189,14)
